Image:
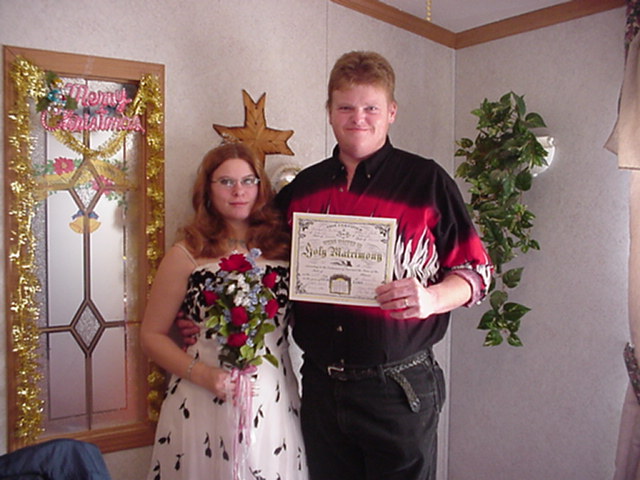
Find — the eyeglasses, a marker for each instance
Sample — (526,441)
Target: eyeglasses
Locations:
(227,182)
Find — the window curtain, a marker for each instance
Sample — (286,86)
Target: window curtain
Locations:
(625,142)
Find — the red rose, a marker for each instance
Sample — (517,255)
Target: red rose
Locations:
(239,316)
(269,280)
(237,339)
(236,262)
(210,297)
(271,308)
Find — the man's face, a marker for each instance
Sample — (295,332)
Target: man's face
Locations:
(360,117)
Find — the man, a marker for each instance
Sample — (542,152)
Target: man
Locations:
(372,390)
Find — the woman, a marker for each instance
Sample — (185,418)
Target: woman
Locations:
(197,426)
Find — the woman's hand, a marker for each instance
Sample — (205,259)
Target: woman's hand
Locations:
(214,379)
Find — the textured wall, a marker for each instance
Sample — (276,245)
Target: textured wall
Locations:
(212,49)
(551,409)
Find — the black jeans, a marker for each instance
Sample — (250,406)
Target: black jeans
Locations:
(365,430)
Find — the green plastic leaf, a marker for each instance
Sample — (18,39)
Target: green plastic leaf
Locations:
(514,311)
(498,298)
(488,320)
(514,340)
(511,278)
(534,120)
(524,180)
(492,339)
(520,105)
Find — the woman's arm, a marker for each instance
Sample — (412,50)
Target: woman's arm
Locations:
(167,294)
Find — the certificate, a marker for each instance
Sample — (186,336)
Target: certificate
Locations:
(340,258)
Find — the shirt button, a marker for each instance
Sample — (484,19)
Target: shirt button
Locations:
(339,329)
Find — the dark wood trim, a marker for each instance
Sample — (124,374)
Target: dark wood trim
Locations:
(534,20)
(493,31)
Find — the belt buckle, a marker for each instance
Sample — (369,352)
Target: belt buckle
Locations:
(335,371)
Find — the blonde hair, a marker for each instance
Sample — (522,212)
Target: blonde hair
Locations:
(362,68)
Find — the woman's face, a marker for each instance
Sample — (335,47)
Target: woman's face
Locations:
(234,190)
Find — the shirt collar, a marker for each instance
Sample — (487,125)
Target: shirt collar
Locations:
(370,165)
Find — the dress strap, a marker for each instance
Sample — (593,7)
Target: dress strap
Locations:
(187,253)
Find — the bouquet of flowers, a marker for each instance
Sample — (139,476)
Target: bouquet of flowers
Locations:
(242,306)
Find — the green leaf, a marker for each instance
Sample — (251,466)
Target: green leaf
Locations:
(256,361)
(514,311)
(514,340)
(488,320)
(498,298)
(492,339)
(511,278)
(465,143)
(42,104)
(520,105)
(247,352)
(271,359)
(534,120)
(524,180)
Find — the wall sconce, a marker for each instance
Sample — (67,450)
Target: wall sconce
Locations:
(548,143)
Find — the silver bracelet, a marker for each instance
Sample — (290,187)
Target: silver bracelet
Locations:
(190,367)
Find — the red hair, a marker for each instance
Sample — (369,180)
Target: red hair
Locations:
(207,233)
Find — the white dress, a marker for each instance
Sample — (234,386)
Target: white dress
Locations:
(195,431)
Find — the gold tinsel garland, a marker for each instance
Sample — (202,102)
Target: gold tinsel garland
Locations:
(29,83)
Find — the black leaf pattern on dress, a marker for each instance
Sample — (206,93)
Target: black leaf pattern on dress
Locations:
(225,454)
(177,465)
(259,414)
(173,388)
(163,440)
(207,443)
(281,448)
(185,411)
(256,474)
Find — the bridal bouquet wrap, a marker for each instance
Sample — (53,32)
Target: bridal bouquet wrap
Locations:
(242,308)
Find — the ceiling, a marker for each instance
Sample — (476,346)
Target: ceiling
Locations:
(460,15)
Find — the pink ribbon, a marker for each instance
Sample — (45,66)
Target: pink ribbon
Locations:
(242,412)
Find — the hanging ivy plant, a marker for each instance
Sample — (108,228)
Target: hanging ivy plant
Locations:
(498,165)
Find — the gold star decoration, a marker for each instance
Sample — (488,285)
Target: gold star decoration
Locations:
(255,133)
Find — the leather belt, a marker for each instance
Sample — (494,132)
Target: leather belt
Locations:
(392,370)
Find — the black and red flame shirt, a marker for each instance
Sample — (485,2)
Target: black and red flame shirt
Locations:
(434,237)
